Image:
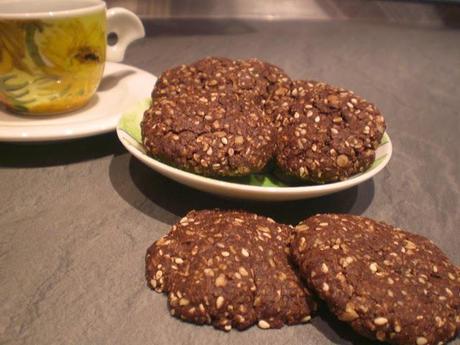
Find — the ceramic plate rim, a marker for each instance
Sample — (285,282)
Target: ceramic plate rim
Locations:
(130,144)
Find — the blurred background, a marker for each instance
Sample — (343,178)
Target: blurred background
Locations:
(419,12)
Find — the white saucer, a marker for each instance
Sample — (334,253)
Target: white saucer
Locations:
(128,131)
(121,86)
(243,191)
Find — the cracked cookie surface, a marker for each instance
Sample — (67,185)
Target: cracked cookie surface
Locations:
(325,133)
(209,117)
(209,135)
(252,78)
(388,284)
(229,269)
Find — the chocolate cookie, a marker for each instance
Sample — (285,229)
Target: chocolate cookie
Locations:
(325,133)
(205,75)
(214,133)
(229,269)
(252,78)
(265,82)
(387,283)
(209,118)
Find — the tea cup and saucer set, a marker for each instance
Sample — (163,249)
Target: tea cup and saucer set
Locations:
(59,78)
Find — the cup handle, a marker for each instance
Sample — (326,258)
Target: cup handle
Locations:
(128,28)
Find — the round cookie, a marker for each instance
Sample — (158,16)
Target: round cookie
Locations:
(251,78)
(267,83)
(229,269)
(212,133)
(388,284)
(325,133)
(206,75)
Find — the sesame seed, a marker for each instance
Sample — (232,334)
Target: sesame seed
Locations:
(239,140)
(183,301)
(263,324)
(317,119)
(219,302)
(225,254)
(373,267)
(324,268)
(221,281)
(422,341)
(380,321)
(244,252)
(408,244)
(325,287)
(342,161)
(349,315)
(305,319)
(243,271)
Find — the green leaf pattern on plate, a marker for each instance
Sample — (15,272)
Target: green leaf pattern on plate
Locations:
(130,123)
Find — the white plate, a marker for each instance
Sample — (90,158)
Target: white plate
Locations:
(244,191)
(120,87)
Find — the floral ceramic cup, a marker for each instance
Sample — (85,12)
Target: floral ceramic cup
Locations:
(52,52)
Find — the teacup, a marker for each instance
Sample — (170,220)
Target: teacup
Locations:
(52,52)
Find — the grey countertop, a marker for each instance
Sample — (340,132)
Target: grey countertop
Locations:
(76,217)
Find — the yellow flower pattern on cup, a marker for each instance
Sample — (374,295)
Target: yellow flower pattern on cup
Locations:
(53,65)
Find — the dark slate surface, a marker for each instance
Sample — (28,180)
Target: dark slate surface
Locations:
(77,217)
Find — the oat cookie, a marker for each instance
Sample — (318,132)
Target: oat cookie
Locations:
(209,118)
(213,134)
(388,284)
(205,75)
(325,133)
(251,78)
(229,269)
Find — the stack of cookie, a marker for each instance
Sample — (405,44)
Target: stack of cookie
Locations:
(223,117)
(235,269)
